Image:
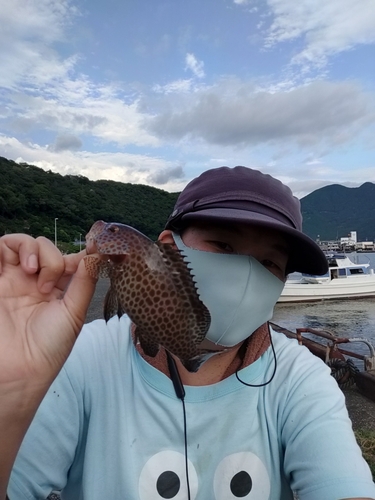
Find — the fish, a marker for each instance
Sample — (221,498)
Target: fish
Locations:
(152,283)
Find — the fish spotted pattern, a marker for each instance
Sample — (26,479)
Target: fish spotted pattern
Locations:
(152,284)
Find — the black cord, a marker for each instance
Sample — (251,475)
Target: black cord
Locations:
(274,370)
(180,393)
(186,450)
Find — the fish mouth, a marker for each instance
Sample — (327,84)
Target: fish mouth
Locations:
(90,246)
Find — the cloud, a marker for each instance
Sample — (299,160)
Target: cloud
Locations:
(194,65)
(42,89)
(164,176)
(324,27)
(30,28)
(176,86)
(235,114)
(121,167)
(80,107)
(66,142)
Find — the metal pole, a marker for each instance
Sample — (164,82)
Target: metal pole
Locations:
(56,219)
(80,242)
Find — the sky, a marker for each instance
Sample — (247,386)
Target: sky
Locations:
(157,91)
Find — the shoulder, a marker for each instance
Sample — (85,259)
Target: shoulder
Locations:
(295,356)
(302,376)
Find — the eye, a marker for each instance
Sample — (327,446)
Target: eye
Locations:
(222,246)
(274,268)
(241,475)
(164,476)
(113,229)
(269,263)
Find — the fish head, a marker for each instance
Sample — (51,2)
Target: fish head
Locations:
(111,240)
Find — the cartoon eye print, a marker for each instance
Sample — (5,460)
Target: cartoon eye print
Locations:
(241,475)
(164,476)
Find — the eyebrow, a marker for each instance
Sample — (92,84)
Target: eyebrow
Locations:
(235,228)
(280,247)
(284,249)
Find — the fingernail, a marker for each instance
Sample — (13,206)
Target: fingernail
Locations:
(32,261)
(47,287)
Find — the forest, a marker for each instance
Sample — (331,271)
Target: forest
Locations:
(31,199)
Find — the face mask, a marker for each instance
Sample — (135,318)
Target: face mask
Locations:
(237,290)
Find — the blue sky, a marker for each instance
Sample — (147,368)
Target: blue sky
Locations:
(155,92)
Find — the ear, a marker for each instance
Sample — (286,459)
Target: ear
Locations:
(166,237)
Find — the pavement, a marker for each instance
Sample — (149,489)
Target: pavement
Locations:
(361,409)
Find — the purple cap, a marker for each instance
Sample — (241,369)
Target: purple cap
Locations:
(245,195)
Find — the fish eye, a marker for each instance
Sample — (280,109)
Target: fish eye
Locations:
(113,228)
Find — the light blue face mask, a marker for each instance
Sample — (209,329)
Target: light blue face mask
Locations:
(238,291)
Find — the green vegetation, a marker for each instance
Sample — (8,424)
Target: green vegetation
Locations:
(366,441)
(333,211)
(31,199)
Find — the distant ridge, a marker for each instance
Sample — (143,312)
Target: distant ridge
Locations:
(333,211)
(31,198)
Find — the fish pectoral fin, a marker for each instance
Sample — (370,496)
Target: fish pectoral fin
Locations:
(92,265)
(95,267)
(149,347)
(111,305)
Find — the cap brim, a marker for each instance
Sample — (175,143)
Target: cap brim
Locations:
(305,255)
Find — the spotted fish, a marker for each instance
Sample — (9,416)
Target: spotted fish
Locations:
(152,284)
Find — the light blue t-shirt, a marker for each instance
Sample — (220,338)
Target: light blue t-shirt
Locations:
(112,427)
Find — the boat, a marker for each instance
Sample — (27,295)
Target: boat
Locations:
(344,280)
(329,348)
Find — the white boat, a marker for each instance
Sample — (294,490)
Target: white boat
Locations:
(344,280)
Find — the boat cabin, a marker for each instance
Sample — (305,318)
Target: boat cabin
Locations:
(340,266)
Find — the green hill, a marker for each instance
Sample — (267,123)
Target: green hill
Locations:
(31,198)
(333,211)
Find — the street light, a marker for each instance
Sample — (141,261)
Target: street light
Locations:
(56,219)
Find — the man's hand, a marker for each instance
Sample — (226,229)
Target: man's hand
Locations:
(40,316)
(44,297)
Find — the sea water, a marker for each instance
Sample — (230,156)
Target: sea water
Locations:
(344,318)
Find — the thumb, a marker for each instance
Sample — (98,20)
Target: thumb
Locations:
(79,293)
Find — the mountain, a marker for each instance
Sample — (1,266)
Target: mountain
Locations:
(31,199)
(333,211)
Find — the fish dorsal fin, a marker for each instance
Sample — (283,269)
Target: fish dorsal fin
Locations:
(181,273)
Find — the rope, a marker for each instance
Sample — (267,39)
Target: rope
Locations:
(343,371)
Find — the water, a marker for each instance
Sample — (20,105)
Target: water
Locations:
(344,318)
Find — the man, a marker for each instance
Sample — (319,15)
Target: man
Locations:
(261,418)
